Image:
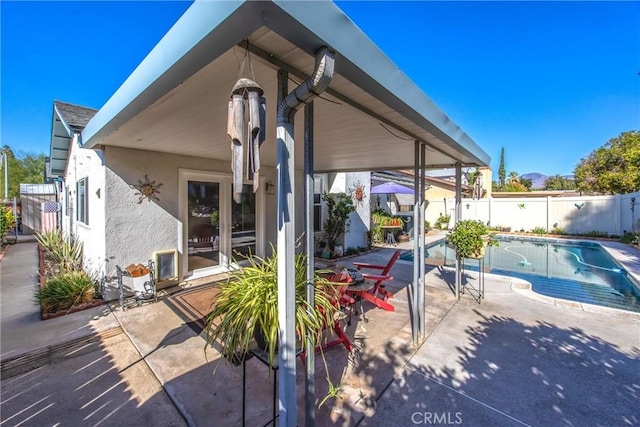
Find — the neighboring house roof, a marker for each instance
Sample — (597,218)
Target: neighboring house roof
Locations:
(67,120)
(405,177)
(75,116)
(367,120)
(37,189)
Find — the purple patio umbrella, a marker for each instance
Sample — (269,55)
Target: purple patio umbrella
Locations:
(391,188)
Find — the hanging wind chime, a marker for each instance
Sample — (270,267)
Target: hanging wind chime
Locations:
(246,96)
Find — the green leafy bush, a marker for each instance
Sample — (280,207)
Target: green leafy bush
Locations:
(593,233)
(469,238)
(539,230)
(442,222)
(339,207)
(7,221)
(66,291)
(629,237)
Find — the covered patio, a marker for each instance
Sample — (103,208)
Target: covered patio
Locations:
(366,115)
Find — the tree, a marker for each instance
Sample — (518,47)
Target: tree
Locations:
(513,183)
(471,175)
(558,182)
(527,183)
(23,168)
(501,170)
(339,207)
(613,168)
(514,186)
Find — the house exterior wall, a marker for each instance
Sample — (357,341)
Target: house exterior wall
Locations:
(583,214)
(436,192)
(359,220)
(136,228)
(84,163)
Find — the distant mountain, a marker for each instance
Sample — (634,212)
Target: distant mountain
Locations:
(539,179)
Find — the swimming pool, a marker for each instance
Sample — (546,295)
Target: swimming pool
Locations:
(577,271)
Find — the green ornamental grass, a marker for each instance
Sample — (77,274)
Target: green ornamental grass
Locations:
(249,300)
(65,291)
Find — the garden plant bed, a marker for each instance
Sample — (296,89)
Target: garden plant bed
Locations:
(48,270)
(79,307)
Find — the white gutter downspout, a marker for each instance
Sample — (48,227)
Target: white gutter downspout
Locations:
(309,89)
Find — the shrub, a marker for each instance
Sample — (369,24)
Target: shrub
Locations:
(557,230)
(339,207)
(351,250)
(593,233)
(629,237)
(442,222)
(65,254)
(7,221)
(539,230)
(469,238)
(65,291)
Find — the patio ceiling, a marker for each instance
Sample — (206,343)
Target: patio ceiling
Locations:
(176,100)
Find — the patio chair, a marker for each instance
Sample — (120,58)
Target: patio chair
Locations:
(342,302)
(378,295)
(203,244)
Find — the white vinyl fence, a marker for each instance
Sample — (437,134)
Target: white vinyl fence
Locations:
(608,214)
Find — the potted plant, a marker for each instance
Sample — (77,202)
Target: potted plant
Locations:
(247,303)
(470,238)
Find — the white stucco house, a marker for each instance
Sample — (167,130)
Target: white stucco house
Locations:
(103,206)
(166,126)
(151,170)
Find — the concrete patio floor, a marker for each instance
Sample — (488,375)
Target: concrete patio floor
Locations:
(511,360)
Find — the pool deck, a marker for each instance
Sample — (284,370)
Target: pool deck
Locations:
(509,360)
(626,256)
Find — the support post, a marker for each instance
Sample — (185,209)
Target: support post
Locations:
(287,107)
(286,269)
(416,243)
(458,217)
(421,301)
(310,405)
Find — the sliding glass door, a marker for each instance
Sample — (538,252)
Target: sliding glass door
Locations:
(217,230)
(203,230)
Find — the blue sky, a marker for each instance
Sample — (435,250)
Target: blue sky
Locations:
(548,81)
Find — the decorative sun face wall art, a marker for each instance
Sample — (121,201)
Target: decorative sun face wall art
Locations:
(147,190)
(357,193)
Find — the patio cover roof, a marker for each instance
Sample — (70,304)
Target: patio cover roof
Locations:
(175,101)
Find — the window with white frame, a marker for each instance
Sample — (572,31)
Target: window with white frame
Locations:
(82,201)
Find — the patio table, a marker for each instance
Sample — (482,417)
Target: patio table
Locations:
(359,291)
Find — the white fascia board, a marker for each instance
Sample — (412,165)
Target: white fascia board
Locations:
(363,63)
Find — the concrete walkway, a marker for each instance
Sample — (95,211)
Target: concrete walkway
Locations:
(511,360)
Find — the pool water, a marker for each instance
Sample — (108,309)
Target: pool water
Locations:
(577,271)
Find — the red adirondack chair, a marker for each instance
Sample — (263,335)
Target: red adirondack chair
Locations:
(378,295)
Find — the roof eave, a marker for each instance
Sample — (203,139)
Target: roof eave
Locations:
(208,29)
